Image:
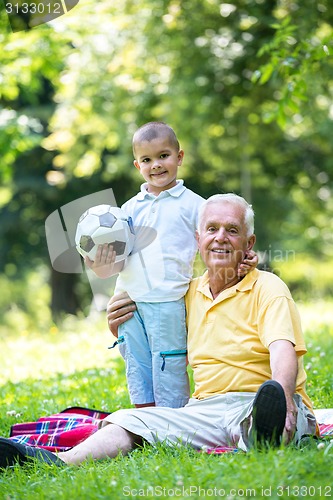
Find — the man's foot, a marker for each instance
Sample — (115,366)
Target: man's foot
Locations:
(12,453)
(308,441)
(269,414)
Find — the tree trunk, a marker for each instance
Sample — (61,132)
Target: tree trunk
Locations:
(64,300)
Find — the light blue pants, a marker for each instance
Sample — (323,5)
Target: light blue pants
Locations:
(153,344)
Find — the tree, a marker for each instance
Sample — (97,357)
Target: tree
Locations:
(246,85)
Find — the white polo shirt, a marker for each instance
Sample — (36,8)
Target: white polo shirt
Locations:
(160,266)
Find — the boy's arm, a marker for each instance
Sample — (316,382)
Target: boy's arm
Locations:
(249,263)
(104,264)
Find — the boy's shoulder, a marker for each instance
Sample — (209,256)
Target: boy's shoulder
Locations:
(191,194)
(130,202)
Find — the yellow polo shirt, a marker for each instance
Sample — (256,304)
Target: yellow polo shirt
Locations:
(228,338)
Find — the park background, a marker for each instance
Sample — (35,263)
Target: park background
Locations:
(247,85)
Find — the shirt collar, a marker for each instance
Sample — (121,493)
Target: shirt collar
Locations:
(175,191)
(248,281)
(244,285)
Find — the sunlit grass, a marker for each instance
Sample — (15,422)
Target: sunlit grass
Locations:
(76,345)
(316,315)
(47,371)
(79,344)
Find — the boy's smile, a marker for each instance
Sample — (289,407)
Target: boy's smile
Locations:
(158,162)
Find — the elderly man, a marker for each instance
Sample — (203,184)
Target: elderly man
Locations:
(245,346)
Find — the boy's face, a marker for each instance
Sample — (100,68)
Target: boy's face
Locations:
(158,162)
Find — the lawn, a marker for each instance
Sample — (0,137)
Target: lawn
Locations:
(44,372)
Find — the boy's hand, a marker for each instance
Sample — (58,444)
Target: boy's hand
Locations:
(104,264)
(249,263)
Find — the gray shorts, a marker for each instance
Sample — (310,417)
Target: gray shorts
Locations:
(222,420)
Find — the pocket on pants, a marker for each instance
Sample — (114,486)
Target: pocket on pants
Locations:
(169,355)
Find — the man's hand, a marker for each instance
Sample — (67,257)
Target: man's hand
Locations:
(119,309)
(249,263)
(290,425)
(104,264)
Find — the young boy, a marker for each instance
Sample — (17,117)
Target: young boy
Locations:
(156,277)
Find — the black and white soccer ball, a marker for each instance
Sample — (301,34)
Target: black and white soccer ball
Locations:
(104,224)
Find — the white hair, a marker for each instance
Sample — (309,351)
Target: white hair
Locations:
(232,199)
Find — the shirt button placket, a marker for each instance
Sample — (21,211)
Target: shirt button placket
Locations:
(154,207)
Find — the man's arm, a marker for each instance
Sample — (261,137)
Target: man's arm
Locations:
(284,367)
(119,309)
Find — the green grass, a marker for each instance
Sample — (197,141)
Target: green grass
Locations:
(44,372)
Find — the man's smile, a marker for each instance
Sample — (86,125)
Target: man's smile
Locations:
(220,250)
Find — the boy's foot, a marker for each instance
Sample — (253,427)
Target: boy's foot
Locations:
(12,453)
(269,414)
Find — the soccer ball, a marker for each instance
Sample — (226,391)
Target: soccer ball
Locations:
(104,224)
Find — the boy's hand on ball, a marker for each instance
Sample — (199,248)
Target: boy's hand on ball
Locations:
(105,255)
(104,264)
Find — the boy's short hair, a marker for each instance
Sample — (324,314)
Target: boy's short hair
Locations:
(152,130)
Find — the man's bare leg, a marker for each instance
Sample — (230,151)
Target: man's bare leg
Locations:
(108,441)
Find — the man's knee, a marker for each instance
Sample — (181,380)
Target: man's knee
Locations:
(124,440)
(134,440)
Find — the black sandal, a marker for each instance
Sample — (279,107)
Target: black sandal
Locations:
(269,414)
(12,453)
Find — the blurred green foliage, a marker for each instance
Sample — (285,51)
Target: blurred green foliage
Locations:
(306,277)
(247,86)
(25,307)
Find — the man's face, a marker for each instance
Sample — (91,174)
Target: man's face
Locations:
(158,162)
(223,240)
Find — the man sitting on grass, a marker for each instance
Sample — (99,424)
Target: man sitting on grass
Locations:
(245,346)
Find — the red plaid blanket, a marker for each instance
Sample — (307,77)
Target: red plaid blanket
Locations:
(58,432)
(64,430)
